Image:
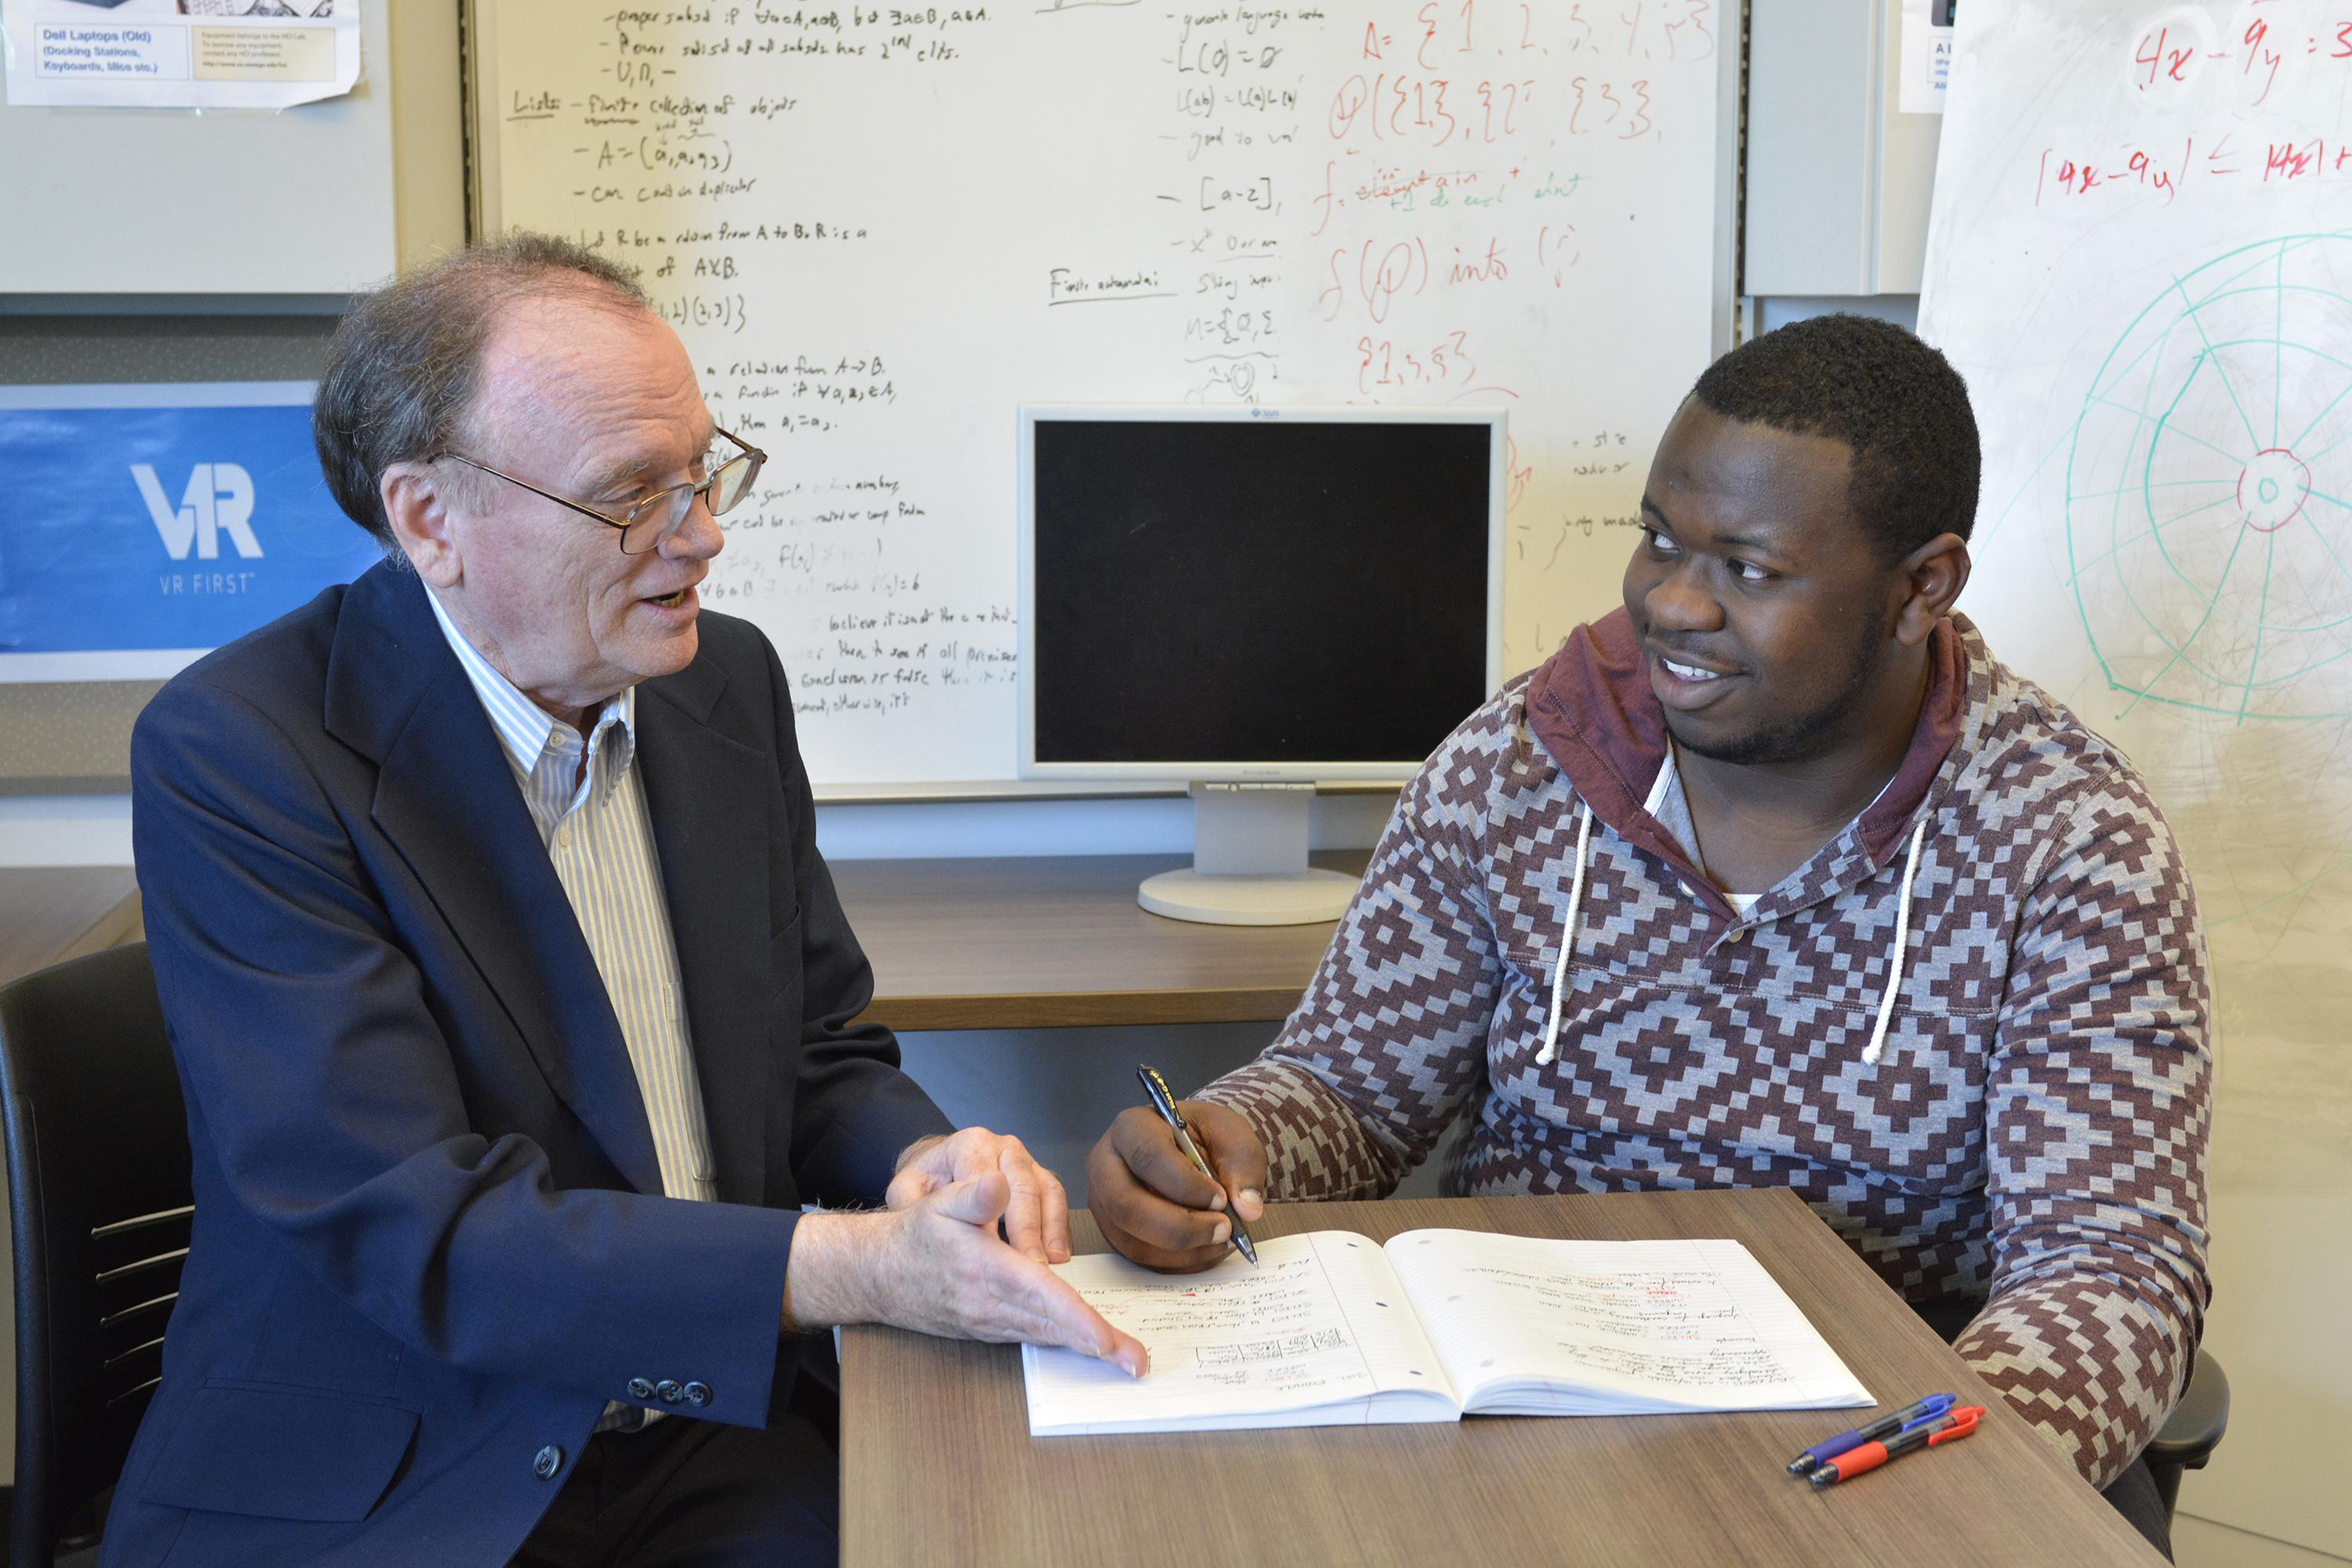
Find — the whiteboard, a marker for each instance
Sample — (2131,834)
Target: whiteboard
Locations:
(2140,257)
(879,230)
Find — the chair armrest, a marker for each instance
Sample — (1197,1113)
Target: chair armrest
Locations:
(2195,1426)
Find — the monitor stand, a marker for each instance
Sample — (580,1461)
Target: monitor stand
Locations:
(1249,862)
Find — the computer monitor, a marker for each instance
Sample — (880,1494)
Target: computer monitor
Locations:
(1248,600)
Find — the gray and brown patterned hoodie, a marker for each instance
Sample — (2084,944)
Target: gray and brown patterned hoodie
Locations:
(1971,1031)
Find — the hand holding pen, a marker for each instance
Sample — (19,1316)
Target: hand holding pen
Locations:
(1163,1100)
(1154,1202)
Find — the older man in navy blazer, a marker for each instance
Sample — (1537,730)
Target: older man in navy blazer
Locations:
(513,1003)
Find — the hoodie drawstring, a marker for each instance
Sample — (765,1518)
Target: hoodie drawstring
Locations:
(1895,953)
(1877,1045)
(1550,1051)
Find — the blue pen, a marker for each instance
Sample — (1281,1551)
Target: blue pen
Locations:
(1886,1425)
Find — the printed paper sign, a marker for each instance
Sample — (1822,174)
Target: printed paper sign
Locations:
(148,524)
(181,54)
(1927,62)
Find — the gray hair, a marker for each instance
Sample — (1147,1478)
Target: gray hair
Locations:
(402,371)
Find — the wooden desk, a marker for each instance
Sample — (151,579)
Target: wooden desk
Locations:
(938,1465)
(1034,943)
(1049,941)
(48,914)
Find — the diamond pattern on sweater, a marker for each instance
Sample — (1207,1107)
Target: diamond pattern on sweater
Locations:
(2034,1134)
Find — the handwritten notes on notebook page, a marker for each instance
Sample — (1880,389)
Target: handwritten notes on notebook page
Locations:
(1333,1329)
(880,228)
(1529,1327)
(1319,1334)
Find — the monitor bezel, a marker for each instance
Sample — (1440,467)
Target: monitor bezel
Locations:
(1230,769)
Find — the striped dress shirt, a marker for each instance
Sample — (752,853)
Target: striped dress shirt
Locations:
(593,822)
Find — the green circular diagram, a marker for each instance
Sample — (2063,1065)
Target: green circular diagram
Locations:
(2210,553)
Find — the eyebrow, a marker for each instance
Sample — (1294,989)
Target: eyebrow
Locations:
(609,479)
(1745,542)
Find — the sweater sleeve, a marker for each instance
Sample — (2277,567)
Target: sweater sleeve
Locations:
(1389,1041)
(2097,1107)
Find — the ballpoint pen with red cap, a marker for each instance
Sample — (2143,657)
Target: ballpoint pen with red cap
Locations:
(1950,1428)
(1918,1413)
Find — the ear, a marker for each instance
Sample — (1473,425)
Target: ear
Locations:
(418,501)
(1930,579)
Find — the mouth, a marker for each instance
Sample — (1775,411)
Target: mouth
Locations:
(673,603)
(1682,682)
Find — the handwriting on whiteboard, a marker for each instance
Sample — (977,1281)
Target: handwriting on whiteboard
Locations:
(2212,98)
(877,228)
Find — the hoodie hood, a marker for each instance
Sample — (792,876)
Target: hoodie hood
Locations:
(1591,706)
(1591,709)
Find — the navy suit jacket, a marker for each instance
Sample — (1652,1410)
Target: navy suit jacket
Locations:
(430,1243)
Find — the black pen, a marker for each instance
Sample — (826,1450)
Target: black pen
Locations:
(1164,1103)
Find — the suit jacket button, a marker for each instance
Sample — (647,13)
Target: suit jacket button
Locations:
(549,1461)
(668,1391)
(697,1394)
(641,1389)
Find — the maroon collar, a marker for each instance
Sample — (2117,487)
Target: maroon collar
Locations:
(1592,709)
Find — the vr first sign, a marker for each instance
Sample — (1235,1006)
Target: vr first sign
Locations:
(144,525)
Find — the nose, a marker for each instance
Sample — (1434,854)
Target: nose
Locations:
(698,536)
(1681,601)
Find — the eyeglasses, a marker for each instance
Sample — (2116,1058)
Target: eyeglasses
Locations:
(656,515)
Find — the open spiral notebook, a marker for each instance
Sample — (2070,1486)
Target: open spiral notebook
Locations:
(1336,1328)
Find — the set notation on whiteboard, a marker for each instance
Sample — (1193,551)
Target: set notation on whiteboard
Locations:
(879,230)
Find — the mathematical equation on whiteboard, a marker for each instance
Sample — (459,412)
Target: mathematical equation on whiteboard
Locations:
(878,227)
(2212,93)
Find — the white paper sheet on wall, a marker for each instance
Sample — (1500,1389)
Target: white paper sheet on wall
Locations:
(181,54)
(2141,258)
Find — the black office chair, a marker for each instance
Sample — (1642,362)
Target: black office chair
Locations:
(2194,1430)
(99,1192)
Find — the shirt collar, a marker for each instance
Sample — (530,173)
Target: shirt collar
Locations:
(524,727)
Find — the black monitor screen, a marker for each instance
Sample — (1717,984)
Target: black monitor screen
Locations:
(1258,592)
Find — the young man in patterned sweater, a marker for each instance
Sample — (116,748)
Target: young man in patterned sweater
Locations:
(1778,877)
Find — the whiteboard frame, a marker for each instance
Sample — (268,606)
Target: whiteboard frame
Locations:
(1497,422)
(483,167)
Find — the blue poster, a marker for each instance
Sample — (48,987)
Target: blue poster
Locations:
(144,525)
